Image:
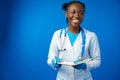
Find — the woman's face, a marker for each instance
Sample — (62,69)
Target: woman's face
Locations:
(75,14)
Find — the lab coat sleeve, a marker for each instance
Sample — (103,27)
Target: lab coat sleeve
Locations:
(53,51)
(94,52)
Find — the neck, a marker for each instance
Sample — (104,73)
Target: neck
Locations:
(74,30)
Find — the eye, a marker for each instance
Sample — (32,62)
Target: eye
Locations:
(81,13)
(73,12)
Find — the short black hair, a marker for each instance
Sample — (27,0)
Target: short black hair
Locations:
(66,5)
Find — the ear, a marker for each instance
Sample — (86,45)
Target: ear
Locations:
(66,14)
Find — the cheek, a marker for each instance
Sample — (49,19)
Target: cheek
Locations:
(69,21)
(82,16)
(70,17)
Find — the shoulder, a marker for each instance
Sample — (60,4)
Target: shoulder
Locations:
(90,34)
(58,32)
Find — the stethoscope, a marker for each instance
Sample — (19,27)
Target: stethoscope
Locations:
(63,42)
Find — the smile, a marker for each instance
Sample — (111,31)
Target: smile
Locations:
(75,20)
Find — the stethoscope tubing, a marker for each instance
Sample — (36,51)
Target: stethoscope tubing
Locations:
(65,34)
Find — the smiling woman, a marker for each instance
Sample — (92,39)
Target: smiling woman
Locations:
(74,15)
(74,44)
(26,27)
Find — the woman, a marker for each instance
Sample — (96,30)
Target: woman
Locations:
(74,44)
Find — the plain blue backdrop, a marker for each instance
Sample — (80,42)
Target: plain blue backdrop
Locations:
(26,29)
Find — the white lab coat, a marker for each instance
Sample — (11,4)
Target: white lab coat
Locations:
(72,53)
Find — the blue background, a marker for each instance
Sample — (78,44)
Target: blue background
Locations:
(26,28)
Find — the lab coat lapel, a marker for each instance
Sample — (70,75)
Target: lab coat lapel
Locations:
(69,43)
(78,40)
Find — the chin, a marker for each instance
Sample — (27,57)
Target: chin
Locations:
(76,26)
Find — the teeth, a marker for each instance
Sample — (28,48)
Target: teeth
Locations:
(75,20)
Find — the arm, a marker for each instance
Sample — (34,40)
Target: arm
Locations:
(53,51)
(94,52)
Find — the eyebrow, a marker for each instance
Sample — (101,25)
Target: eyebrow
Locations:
(75,10)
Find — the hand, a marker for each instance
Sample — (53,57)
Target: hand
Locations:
(80,66)
(55,61)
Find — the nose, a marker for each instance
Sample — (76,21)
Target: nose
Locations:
(77,14)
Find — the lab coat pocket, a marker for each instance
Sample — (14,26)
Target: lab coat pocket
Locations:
(87,74)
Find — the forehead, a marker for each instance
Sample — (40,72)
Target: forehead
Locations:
(76,6)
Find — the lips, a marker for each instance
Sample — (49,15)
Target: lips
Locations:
(75,21)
